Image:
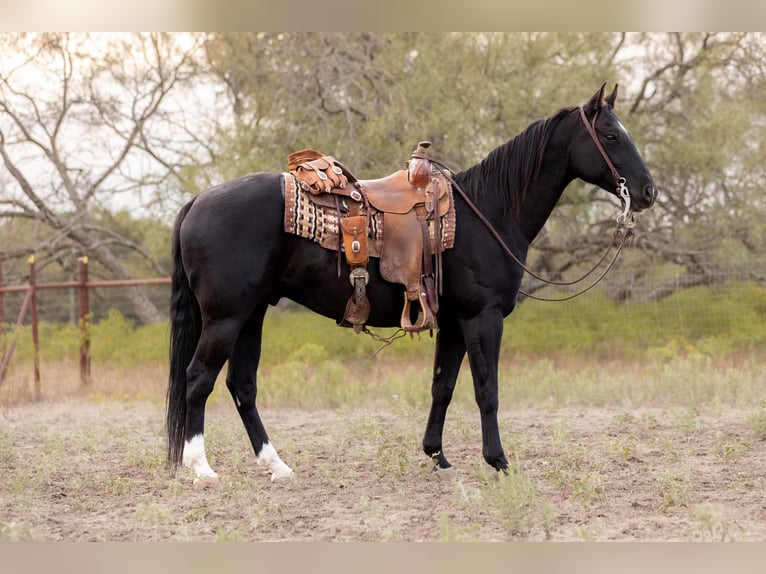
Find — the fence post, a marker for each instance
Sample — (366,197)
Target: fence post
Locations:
(83,319)
(12,346)
(2,303)
(35,330)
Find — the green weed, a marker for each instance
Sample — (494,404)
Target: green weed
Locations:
(733,449)
(713,524)
(675,486)
(516,502)
(394,455)
(686,421)
(624,447)
(446,529)
(153,514)
(590,531)
(577,473)
(371,507)
(228,534)
(757,422)
(16,532)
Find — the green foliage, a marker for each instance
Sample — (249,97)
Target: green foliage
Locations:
(224,533)
(115,341)
(733,449)
(713,524)
(713,322)
(368,98)
(515,501)
(118,341)
(757,422)
(16,532)
(153,514)
(684,350)
(675,486)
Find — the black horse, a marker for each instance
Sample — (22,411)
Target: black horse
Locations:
(232,260)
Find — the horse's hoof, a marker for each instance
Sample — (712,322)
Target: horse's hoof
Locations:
(448,473)
(282,475)
(207,482)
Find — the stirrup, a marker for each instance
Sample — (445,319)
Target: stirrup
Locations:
(425,320)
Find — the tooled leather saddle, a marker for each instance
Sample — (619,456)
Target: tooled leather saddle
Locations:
(406,219)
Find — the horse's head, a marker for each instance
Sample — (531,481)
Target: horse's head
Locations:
(603,153)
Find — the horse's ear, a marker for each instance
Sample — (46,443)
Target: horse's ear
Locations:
(597,100)
(611,97)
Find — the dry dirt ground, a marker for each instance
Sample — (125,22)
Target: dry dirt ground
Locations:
(93,470)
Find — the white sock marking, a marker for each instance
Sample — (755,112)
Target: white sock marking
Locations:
(269,458)
(194,457)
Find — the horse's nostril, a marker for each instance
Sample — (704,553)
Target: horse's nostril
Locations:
(650,193)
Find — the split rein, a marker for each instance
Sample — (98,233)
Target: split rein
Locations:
(624,230)
(625,223)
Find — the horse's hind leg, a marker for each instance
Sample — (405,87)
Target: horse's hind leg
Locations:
(242,384)
(214,347)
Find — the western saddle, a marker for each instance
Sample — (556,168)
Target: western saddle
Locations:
(413,203)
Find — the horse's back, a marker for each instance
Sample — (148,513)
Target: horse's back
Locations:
(231,237)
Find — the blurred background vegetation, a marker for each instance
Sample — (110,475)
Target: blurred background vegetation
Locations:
(104,136)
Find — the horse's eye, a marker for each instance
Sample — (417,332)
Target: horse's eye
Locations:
(610,137)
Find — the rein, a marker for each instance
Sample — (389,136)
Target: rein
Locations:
(625,223)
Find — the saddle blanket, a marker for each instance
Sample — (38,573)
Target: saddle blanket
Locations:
(306,219)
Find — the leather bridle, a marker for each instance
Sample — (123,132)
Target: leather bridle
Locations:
(623,230)
(627,217)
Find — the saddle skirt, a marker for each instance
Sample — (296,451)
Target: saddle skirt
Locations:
(316,217)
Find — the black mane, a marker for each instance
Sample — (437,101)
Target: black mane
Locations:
(509,168)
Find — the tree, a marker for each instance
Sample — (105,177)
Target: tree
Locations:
(89,123)
(698,106)
(369,98)
(694,103)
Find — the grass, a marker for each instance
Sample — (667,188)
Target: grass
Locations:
(666,387)
(700,324)
(713,524)
(516,502)
(676,486)
(562,483)
(318,372)
(757,422)
(16,532)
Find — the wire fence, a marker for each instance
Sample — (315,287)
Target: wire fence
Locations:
(649,305)
(723,305)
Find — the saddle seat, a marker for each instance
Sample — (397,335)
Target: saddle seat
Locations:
(409,201)
(395,194)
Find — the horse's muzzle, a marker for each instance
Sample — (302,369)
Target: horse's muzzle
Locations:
(649,194)
(645,199)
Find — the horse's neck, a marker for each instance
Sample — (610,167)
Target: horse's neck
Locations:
(542,196)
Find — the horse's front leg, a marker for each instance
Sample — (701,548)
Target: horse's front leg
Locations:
(450,350)
(482,339)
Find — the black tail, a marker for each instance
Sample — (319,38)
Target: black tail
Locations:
(185,327)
